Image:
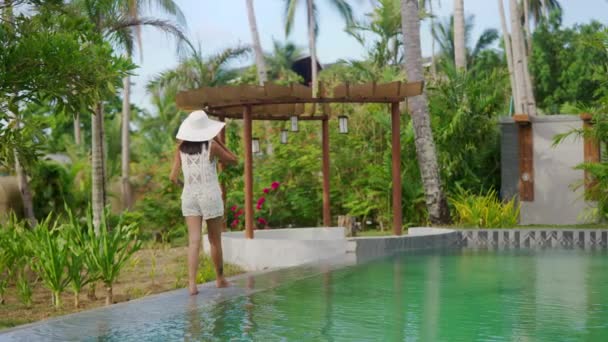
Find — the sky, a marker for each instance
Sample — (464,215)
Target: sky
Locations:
(221,24)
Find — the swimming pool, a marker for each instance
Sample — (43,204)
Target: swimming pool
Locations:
(448,295)
(508,285)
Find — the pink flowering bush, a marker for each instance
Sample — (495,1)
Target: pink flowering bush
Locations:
(262,211)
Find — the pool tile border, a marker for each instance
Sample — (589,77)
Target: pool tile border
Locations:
(534,238)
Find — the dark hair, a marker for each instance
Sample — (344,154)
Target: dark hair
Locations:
(193,147)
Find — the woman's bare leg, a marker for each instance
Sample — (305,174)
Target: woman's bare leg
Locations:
(194,224)
(214,233)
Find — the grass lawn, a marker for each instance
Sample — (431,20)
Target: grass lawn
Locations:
(154,269)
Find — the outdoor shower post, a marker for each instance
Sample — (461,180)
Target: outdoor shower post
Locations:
(396,170)
(248,172)
(325,143)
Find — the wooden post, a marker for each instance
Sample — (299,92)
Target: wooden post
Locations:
(325,143)
(396,170)
(223,184)
(248,172)
(591,151)
(526,157)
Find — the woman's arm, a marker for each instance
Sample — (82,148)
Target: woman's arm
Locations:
(218,150)
(177,163)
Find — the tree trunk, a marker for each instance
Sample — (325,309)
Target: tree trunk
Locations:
(521,62)
(544,8)
(77,133)
(26,192)
(528,35)
(108,295)
(509,52)
(125,145)
(433,66)
(57,299)
(460,50)
(76,299)
(97,165)
(257,46)
(312,43)
(518,60)
(24,186)
(425,146)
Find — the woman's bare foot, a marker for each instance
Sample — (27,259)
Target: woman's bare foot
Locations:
(221,282)
(193,290)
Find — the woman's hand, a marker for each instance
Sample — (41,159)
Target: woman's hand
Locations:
(176,181)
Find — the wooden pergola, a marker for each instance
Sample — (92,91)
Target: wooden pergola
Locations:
(276,102)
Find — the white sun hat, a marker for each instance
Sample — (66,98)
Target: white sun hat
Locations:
(198,127)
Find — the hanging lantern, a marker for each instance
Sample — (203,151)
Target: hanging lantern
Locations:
(343,122)
(294,123)
(283,136)
(255,145)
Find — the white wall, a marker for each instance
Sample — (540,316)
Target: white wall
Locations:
(276,248)
(555,200)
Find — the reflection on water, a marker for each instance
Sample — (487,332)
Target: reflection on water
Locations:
(458,295)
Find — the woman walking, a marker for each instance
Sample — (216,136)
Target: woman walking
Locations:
(197,153)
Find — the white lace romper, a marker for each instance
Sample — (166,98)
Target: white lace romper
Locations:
(202,195)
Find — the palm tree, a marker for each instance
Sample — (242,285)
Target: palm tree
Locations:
(257,46)
(343,8)
(443,33)
(539,9)
(385,24)
(198,71)
(112,19)
(508,50)
(460,55)
(134,9)
(520,81)
(425,146)
(281,60)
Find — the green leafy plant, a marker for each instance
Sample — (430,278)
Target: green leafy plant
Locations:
(484,211)
(110,250)
(80,270)
(24,290)
(50,260)
(15,253)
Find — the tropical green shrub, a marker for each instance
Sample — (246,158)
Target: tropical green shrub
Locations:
(24,289)
(51,254)
(4,263)
(484,211)
(81,271)
(110,250)
(15,256)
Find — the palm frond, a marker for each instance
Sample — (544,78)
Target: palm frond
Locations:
(123,22)
(344,9)
(290,10)
(487,38)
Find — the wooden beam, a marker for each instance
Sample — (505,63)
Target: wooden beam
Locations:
(526,158)
(326,203)
(269,117)
(248,172)
(591,151)
(396,169)
(239,103)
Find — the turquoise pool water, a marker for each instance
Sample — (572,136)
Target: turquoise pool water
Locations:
(456,295)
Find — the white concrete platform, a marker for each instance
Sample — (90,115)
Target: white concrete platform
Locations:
(280,248)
